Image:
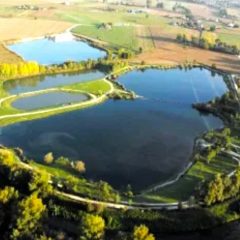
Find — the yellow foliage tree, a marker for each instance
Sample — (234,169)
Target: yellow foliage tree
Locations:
(6,157)
(142,233)
(7,194)
(92,227)
(30,211)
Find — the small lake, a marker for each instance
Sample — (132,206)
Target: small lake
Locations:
(141,142)
(47,51)
(50,99)
(49,81)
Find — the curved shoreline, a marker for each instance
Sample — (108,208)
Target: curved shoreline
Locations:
(96,100)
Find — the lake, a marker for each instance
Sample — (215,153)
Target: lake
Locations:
(140,142)
(50,99)
(47,51)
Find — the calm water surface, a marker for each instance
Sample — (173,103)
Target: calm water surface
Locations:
(49,81)
(141,142)
(226,232)
(52,99)
(46,51)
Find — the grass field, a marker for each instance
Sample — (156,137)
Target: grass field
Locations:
(96,87)
(121,37)
(230,37)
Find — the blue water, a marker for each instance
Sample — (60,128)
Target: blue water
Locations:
(139,142)
(46,51)
(49,81)
(52,99)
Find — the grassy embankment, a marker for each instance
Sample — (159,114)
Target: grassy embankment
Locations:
(185,187)
(98,88)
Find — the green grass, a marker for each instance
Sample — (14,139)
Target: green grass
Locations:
(122,36)
(230,38)
(184,188)
(95,87)
(87,16)
(62,173)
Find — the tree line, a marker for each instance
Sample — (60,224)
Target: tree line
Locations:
(204,43)
(24,69)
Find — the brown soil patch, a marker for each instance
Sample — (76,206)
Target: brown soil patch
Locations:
(173,53)
(18,28)
(200,10)
(7,56)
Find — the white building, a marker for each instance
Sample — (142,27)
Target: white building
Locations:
(63,37)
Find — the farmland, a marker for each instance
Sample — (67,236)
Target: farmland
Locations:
(32,28)
(153,30)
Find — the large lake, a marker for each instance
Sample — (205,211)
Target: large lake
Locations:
(46,51)
(141,142)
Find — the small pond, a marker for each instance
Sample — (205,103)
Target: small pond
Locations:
(141,142)
(49,51)
(50,99)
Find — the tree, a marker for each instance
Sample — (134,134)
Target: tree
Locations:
(92,227)
(142,233)
(212,28)
(40,183)
(48,158)
(6,157)
(215,191)
(30,211)
(179,37)
(80,166)
(7,194)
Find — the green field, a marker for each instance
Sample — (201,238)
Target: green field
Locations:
(122,37)
(96,87)
(230,38)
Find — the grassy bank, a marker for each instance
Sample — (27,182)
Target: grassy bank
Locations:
(186,186)
(97,90)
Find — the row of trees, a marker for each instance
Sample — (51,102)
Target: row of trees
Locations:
(204,43)
(79,165)
(24,69)
(21,69)
(187,12)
